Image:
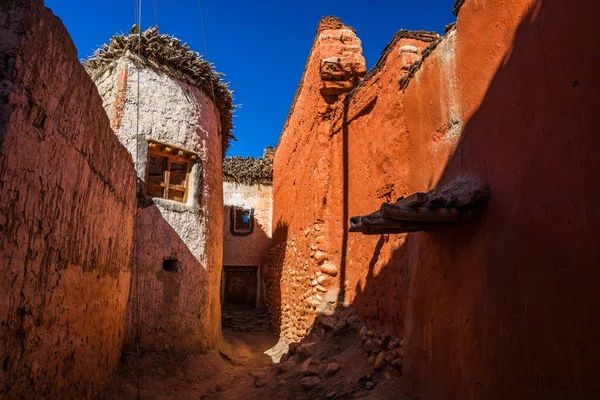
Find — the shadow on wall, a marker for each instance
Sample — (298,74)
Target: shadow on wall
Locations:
(173,286)
(247,249)
(273,278)
(506,307)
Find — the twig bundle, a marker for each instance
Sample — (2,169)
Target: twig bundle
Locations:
(248,170)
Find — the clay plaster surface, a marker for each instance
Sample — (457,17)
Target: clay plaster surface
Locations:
(67,201)
(252,249)
(178,310)
(505,298)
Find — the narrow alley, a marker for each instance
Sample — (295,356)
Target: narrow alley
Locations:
(424,226)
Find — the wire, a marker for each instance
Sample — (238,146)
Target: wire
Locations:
(138,330)
(212,86)
(203,25)
(155,13)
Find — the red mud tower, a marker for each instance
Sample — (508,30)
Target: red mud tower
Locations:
(67,201)
(304,239)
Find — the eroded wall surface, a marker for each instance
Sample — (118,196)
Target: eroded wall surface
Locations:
(495,309)
(305,256)
(179,310)
(67,202)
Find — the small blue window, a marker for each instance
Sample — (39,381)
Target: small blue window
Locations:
(241,221)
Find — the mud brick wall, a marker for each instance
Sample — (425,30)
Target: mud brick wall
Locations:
(251,249)
(305,255)
(512,299)
(500,308)
(67,202)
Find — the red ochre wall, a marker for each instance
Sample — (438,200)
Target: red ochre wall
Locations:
(506,307)
(67,207)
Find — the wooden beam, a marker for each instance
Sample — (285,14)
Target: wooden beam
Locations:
(153,143)
(421,214)
(382,231)
(174,157)
(414,200)
(375,221)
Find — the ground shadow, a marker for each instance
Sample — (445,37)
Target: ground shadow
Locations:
(273,279)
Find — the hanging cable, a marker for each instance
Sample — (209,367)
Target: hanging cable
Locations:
(135,11)
(155,13)
(212,87)
(203,25)
(138,329)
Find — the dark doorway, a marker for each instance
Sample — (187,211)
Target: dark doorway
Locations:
(240,286)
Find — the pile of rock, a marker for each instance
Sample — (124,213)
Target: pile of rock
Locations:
(314,363)
(245,321)
(383,350)
(312,368)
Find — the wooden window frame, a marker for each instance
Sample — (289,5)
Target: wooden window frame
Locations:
(171,154)
(232,218)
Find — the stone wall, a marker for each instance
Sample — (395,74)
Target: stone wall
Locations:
(252,249)
(500,308)
(179,311)
(306,247)
(67,202)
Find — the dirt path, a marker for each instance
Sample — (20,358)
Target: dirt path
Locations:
(328,364)
(217,374)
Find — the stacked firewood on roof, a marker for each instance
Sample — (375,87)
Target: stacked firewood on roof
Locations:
(458,201)
(248,170)
(167,54)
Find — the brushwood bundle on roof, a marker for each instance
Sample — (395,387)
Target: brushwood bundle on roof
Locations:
(167,54)
(248,170)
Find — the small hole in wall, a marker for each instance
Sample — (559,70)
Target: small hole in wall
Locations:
(170,265)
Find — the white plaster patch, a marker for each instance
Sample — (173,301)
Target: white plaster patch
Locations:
(175,113)
(408,49)
(447,57)
(258,197)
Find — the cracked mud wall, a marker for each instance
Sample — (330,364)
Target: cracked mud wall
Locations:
(67,201)
(179,311)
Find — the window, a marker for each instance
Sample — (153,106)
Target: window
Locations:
(168,171)
(170,264)
(242,221)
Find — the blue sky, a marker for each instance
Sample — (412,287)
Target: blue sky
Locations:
(260,46)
